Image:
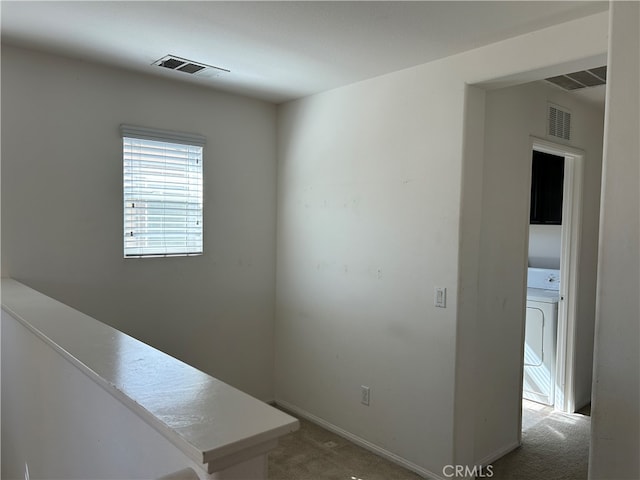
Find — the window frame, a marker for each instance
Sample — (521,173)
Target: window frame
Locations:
(137,133)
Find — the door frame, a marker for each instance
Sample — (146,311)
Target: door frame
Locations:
(569,268)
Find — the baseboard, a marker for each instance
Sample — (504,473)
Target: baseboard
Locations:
(392,457)
(492,457)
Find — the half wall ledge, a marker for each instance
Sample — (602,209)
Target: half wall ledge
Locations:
(150,415)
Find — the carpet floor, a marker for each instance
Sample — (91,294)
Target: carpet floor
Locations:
(555,446)
(313,453)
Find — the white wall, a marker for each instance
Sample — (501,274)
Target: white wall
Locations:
(371,192)
(615,431)
(544,246)
(512,115)
(368,212)
(62,211)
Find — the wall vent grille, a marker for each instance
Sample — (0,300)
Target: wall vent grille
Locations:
(559,122)
(180,64)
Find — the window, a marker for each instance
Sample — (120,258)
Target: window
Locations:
(162,180)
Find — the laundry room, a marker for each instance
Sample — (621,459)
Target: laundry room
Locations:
(544,275)
(516,124)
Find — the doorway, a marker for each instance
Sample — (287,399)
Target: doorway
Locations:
(515,123)
(563,398)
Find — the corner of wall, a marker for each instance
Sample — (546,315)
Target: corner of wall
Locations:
(468,271)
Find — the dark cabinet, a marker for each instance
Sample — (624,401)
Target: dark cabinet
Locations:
(547,180)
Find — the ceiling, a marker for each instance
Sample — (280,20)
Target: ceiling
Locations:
(593,95)
(276,51)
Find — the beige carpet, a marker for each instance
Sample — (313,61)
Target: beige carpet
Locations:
(313,453)
(555,446)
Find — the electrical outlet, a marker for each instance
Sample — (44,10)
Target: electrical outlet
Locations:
(364,395)
(440,297)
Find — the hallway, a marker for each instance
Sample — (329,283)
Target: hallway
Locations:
(555,446)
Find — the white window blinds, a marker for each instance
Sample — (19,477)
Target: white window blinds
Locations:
(162,179)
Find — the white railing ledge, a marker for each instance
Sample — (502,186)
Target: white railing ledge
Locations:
(212,423)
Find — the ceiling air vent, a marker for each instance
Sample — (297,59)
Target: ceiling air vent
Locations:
(188,66)
(582,79)
(559,122)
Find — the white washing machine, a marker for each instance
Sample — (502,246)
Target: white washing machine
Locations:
(541,331)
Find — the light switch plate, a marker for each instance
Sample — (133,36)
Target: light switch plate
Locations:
(364,395)
(440,297)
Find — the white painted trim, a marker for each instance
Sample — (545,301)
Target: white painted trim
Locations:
(570,262)
(360,441)
(546,146)
(569,265)
(492,457)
